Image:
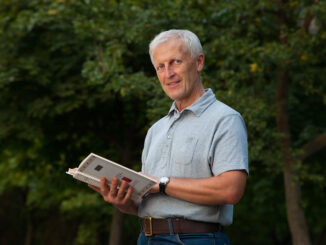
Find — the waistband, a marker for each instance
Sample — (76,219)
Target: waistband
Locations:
(172,226)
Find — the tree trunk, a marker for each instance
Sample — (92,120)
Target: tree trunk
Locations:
(116,228)
(29,231)
(295,213)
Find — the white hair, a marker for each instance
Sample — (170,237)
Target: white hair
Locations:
(189,39)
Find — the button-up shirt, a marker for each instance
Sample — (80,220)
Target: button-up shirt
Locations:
(203,140)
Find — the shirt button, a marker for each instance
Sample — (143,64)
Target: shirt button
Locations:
(169,136)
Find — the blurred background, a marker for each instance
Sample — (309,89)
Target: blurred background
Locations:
(76,77)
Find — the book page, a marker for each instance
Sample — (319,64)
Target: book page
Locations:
(93,167)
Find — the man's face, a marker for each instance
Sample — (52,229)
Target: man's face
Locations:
(178,72)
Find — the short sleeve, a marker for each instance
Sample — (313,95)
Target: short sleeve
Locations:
(229,148)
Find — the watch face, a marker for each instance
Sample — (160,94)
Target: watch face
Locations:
(164,180)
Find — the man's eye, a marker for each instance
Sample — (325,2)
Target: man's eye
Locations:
(160,67)
(177,61)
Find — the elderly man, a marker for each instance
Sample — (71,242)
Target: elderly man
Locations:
(197,152)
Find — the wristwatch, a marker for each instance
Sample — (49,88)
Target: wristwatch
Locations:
(163,182)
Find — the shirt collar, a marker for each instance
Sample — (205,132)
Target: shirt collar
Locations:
(199,106)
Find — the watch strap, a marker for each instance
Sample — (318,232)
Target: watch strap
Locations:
(162,188)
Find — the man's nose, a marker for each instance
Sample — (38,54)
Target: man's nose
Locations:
(169,71)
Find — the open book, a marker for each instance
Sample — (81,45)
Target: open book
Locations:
(93,167)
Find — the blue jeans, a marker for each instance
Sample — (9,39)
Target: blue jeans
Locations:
(216,238)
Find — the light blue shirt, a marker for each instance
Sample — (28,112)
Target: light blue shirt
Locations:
(204,140)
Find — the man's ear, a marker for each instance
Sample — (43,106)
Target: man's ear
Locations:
(200,62)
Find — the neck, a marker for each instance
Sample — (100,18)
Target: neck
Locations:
(182,104)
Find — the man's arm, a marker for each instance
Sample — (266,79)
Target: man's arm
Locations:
(226,188)
(120,198)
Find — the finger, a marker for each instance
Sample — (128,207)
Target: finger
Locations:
(114,187)
(129,193)
(104,188)
(122,190)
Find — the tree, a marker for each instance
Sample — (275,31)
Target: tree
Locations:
(75,77)
(55,108)
(275,39)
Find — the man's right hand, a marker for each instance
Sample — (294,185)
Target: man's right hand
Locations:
(119,197)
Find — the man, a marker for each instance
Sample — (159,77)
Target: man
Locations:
(197,152)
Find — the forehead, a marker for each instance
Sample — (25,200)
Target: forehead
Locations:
(171,49)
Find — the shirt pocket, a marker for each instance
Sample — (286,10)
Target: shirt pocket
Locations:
(184,151)
(156,160)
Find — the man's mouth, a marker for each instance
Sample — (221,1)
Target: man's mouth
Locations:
(173,84)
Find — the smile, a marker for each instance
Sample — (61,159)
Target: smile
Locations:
(172,84)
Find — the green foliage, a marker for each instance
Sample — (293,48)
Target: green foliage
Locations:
(75,77)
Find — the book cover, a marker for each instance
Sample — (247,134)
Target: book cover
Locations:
(93,167)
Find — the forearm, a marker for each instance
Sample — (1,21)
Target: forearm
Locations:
(226,188)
